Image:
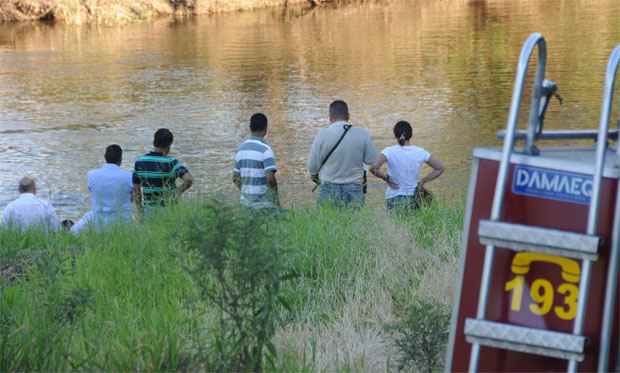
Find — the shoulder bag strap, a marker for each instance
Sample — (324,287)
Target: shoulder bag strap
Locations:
(346,127)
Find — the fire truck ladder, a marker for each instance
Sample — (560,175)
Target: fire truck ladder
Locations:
(612,271)
(494,233)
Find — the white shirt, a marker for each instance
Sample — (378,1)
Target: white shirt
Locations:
(253,159)
(110,190)
(110,197)
(404,165)
(29,211)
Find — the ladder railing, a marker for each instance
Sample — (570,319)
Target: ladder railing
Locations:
(612,271)
(534,40)
(593,212)
(569,346)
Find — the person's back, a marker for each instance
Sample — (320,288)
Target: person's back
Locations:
(110,193)
(346,164)
(110,186)
(337,158)
(255,168)
(155,174)
(29,211)
(404,165)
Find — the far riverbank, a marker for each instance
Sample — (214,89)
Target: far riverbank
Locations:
(122,11)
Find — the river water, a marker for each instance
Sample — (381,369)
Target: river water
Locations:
(446,66)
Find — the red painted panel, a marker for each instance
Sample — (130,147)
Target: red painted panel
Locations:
(547,285)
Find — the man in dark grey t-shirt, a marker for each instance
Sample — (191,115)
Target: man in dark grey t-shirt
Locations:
(341,176)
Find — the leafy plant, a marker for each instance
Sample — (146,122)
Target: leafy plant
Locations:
(240,269)
(73,305)
(422,336)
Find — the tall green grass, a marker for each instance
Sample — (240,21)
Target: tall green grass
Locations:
(126,299)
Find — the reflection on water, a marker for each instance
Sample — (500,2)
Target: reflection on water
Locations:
(446,66)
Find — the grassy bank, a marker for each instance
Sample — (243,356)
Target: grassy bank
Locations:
(119,11)
(149,297)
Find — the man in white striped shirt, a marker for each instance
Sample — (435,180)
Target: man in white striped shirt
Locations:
(255,168)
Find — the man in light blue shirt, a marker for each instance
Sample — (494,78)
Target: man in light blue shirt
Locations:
(111,193)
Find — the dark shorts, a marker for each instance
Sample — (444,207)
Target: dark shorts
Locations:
(402,203)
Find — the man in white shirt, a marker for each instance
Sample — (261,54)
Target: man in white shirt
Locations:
(111,193)
(29,211)
(340,168)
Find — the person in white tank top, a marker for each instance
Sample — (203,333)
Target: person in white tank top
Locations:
(404,162)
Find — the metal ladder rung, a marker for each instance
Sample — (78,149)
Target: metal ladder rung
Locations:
(528,340)
(550,241)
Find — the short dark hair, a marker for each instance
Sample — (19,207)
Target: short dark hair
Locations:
(258,122)
(339,110)
(114,154)
(402,132)
(163,138)
(26,185)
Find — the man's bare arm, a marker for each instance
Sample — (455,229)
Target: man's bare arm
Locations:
(272,183)
(188,181)
(237,180)
(137,195)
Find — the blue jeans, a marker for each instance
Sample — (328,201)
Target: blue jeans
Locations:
(341,195)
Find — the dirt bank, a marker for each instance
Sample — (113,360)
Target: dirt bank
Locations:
(119,11)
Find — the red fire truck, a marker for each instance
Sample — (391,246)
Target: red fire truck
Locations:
(539,268)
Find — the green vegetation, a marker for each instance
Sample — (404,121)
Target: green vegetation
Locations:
(207,286)
(422,335)
(240,268)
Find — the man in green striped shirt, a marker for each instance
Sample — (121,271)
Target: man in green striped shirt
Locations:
(155,174)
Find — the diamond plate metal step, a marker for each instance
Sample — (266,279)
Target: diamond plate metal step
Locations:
(518,338)
(550,241)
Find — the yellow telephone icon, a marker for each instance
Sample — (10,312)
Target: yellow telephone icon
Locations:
(570,268)
(541,290)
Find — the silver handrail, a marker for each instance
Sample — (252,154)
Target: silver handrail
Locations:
(534,121)
(535,39)
(612,272)
(561,135)
(593,212)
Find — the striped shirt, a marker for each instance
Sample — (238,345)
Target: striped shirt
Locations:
(254,157)
(156,174)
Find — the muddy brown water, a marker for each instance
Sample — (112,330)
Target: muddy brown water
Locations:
(446,66)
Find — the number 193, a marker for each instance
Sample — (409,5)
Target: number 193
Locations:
(542,296)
